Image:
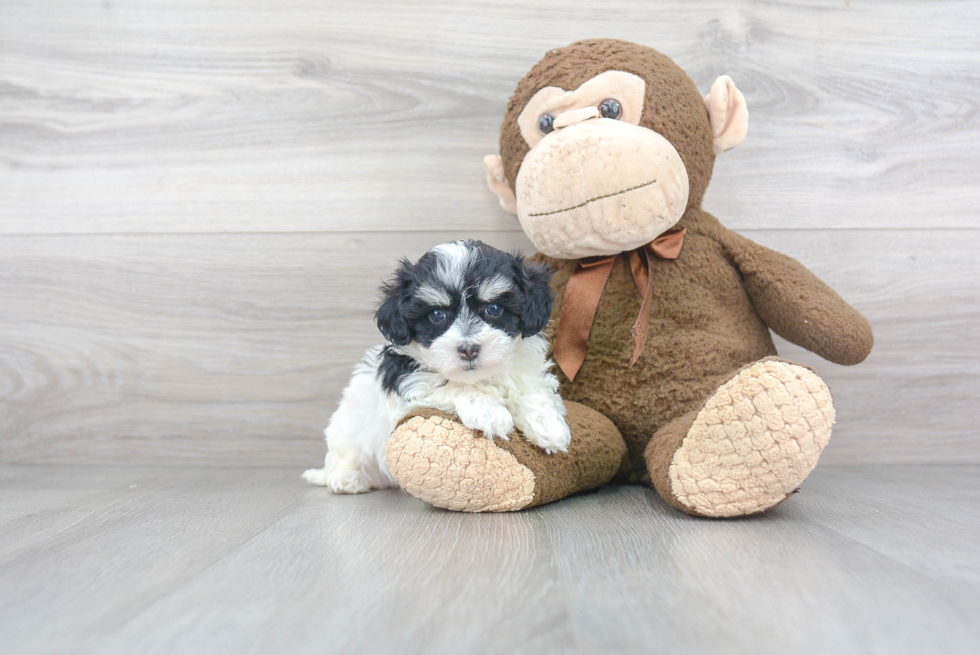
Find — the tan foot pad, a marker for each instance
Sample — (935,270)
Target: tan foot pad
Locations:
(444,463)
(754,441)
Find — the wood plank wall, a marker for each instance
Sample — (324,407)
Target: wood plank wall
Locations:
(198,200)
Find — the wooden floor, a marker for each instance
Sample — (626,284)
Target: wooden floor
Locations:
(206,560)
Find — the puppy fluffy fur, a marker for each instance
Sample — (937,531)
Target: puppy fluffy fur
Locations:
(464,329)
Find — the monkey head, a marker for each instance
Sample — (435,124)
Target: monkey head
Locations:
(605,144)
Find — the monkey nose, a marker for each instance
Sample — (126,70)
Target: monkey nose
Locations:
(469,351)
(573,116)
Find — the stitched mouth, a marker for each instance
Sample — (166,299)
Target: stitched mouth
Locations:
(608,195)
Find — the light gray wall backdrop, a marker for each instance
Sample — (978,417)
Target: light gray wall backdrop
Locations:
(198,200)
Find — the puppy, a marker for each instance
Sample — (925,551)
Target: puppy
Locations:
(464,327)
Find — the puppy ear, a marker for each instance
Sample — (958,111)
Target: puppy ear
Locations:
(534,279)
(389,316)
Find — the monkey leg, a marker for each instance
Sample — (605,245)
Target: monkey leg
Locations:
(748,447)
(439,460)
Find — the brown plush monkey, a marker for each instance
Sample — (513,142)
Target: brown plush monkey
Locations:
(662,315)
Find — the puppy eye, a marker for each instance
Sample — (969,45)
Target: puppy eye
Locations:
(437,316)
(546,123)
(494,310)
(610,108)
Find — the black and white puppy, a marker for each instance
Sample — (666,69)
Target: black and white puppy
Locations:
(464,327)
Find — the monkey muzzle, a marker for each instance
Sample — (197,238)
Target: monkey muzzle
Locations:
(600,187)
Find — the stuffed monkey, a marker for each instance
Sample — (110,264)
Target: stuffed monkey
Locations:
(662,319)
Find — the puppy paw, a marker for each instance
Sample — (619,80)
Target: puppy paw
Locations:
(547,430)
(491,420)
(339,480)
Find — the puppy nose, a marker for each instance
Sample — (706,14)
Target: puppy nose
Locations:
(469,351)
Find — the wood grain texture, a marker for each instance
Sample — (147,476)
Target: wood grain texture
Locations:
(134,117)
(233,349)
(198,201)
(204,560)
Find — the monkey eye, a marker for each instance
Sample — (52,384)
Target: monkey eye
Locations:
(610,108)
(546,123)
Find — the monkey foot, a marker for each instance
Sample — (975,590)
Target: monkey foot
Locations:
(442,462)
(749,447)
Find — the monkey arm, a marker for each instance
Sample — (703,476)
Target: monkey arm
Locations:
(798,305)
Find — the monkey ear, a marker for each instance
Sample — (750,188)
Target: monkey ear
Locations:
(498,183)
(728,113)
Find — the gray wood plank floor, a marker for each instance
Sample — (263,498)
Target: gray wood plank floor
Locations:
(249,560)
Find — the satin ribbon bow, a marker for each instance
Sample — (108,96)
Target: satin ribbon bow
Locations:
(585,287)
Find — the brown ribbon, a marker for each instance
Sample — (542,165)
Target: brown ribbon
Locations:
(585,287)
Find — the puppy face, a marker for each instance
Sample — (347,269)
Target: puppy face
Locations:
(463,307)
